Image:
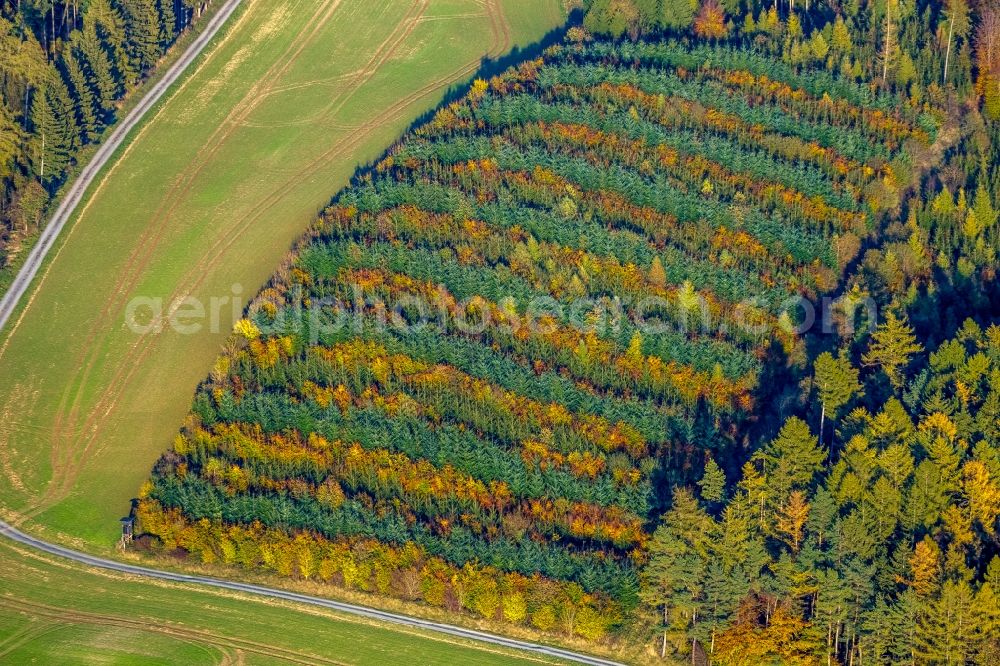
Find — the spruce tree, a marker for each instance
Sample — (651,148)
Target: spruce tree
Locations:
(713,482)
(143,23)
(792,460)
(611,17)
(54,134)
(677,14)
(100,74)
(673,580)
(10,139)
(168,22)
(85,101)
(836,383)
(892,346)
(986,613)
(110,28)
(945,626)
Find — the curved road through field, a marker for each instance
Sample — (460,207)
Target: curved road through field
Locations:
(372,613)
(73,196)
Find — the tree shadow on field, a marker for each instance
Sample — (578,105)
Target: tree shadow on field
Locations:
(488,68)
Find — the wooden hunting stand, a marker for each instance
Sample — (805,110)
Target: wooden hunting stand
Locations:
(128,526)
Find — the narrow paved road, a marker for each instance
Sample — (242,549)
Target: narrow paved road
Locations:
(394,618)
(73,196)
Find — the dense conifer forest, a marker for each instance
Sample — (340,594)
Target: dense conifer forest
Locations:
(64,69)
(561,358)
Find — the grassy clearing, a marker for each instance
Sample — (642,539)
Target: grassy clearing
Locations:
(274,118)
(51,611)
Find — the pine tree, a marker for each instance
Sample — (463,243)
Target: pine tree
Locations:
(168,22)
(892,346)
(836,383)
(85,102)
(713,482)
(143,22)
(54,134)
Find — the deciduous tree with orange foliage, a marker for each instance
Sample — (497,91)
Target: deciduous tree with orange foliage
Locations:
(710,22)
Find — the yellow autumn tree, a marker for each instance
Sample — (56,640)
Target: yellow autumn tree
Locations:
(925,567)
(710,22)
(791,519)
(982,494)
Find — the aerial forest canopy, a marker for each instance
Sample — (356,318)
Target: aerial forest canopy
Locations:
(545,362)
(64,69)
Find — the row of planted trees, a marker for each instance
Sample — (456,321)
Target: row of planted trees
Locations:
(396,388)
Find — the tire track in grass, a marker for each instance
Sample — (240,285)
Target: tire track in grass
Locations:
(125,281)
(113,144)
(318,606)
(141,131)
(132,270)
(130,363)
(379,60)
(349,76)
(503,25)
(63,431)
(81,431)
(31,633)
(242,110)
(62,480)
(142,252)
(362,76)
(59,617)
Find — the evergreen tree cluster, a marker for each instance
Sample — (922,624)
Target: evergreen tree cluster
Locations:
(875,541)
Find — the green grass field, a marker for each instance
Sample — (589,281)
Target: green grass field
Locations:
(210,193)
(54,612)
